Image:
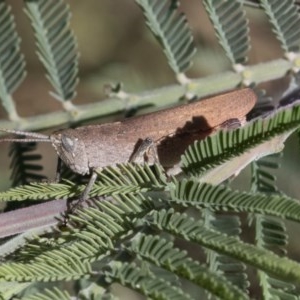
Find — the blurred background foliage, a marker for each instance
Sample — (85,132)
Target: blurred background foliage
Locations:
(115,45)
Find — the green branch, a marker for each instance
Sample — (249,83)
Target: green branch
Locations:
(158,97)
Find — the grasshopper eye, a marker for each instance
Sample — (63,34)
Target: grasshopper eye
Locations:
(69,144)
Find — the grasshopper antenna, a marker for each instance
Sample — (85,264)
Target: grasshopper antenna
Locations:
(34,137)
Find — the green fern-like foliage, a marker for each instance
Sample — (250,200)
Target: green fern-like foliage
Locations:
(231,26)
(154,249)
(93,248)
(285,19)
(271,233)
(12,63)
(8,290)
(26,167)
(25,164)
(182,226)
(262,179)
(57,48)
(53,294)
(224,145)
(234,271)
(171,30)
(138,229)
(126,179)
(219,198)
(143,281)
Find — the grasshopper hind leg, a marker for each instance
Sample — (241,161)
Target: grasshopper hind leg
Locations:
(146,152)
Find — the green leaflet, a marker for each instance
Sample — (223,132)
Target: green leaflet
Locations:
(171,30)
(192,193)
(127,178)
(239,147)
(24,163)
(285,18)
(162,253)
(270,232)
(142,280)
(57,47)
(232,269)
(231,27)
(12,63)
(194,231)
(49,294)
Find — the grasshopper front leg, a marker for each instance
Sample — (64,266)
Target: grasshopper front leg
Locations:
(145,153)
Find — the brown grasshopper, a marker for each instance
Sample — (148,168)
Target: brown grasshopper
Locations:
(160,136)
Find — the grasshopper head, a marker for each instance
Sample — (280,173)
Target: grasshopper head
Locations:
(71,150)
